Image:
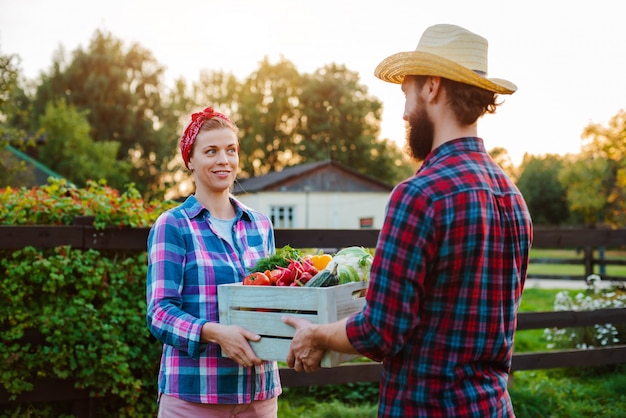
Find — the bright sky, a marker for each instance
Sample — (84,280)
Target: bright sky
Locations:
(568,58)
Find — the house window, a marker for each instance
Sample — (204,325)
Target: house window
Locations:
(282,216)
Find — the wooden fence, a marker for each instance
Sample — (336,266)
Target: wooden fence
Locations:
(587,240)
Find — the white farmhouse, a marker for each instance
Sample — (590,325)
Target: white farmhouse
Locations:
(319,195)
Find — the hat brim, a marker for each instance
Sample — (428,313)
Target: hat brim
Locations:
(393,69)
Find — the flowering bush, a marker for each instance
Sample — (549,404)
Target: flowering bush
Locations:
(58,202)
(592,298)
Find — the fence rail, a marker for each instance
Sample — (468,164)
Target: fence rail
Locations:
(86,236)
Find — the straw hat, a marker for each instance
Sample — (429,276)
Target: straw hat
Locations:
(446,51)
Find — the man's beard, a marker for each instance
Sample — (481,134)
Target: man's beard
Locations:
(420,134)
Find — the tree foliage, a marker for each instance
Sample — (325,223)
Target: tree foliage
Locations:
(70,151)
(14,111)
(122,91)
(544,194)
(339,119)
(287,118)
(596,178)
(14,102)
(268,117)
(116,98)
(503,159)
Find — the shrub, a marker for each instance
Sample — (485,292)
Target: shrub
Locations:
(80,315)
(59,202)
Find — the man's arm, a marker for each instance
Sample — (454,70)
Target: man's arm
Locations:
(310,341)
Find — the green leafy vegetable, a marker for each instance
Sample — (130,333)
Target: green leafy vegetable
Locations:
(282,258)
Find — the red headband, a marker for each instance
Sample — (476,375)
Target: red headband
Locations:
(191,131)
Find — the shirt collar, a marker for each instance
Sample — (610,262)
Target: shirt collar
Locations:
(458,145)
(193,208)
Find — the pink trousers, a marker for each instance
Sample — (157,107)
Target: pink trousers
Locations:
(171,407)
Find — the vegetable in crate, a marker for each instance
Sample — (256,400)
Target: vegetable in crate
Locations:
(353,264)
(257,279)
(324,278)
(282,258)
(320,261)
(288,267)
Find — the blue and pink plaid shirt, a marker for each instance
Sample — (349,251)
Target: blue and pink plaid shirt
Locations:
(445,286)
(187,260)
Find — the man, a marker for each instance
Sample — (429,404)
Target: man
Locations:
(452,255)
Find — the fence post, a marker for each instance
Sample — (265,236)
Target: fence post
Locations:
(601,257)
(588,261)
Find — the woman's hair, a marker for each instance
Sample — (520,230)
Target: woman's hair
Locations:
(468,102)
(218,123)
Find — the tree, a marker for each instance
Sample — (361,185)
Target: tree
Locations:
(268,117)
(338,118)
(218,89)
(70,151)
(540,186)
(14,102)
(14,122)
(588,186)
(503,159)
(596,178)
(389,163)
(341,121)
(284,118)
(122,91)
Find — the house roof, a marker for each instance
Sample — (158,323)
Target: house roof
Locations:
(324,175)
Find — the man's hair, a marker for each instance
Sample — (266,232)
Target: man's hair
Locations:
(468,102)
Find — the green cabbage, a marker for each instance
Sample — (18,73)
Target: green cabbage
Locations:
(353,264)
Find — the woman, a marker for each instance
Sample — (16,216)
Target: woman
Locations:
(207,369)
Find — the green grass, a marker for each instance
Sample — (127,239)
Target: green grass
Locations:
(572,393)
(538,299)
(534,300)
(313,408)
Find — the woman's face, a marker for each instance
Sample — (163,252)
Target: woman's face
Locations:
(215,159)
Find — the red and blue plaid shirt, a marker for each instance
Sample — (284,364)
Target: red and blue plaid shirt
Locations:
(445,286)
(187,260)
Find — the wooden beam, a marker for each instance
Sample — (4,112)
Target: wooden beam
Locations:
(40,236)
(562,319)
(326,238)
(598,356)
(347,373)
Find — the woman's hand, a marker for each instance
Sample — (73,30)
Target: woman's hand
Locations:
(234,341)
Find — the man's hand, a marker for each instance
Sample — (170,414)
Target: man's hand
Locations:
(305,353)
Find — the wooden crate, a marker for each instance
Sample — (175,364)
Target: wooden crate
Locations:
(260,309)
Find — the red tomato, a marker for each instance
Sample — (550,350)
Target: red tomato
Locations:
(257,279)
